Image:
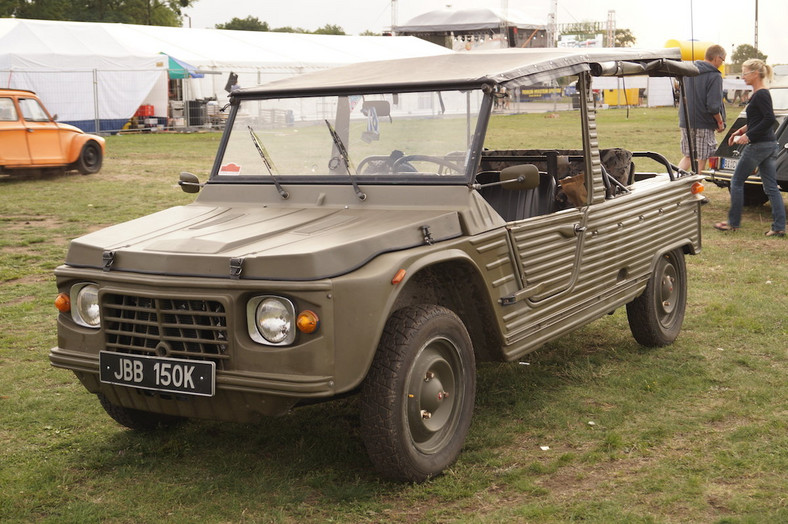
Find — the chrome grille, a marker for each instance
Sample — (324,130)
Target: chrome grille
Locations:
(194,329)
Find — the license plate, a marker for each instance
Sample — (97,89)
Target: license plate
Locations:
(174,375)
(728,163)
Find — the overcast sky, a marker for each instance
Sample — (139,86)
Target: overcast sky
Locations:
(653,22)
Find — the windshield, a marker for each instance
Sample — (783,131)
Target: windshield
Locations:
(381,138)
(32,110)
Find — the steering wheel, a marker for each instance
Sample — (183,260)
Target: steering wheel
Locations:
(442,162)
(383,161)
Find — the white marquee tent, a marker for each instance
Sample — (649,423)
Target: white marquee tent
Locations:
(457,20)
(97,75)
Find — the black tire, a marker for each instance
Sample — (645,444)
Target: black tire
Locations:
(655,317)
(754,195)
(90,159)
(417,400)
(136,419)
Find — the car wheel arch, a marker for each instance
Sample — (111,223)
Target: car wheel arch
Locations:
(437,282)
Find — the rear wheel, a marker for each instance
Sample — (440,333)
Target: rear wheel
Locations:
(90,159)
(655,317)
(754,195)
(136,419)
(417,400)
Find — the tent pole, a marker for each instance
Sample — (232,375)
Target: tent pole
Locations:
(95,99)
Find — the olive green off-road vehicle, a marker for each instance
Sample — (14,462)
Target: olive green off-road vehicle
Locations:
(376,229)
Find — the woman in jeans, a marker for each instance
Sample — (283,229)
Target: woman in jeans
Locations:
(760,152)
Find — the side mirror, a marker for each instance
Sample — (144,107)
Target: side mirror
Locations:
(382,107)
(523,176)
(189,183)
(54,117)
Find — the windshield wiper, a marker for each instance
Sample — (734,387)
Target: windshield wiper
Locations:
(269,165)
(346,158)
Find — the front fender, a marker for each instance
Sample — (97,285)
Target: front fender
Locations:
(361,316)
(74,142)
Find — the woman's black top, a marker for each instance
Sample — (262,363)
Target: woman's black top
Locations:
(760,117)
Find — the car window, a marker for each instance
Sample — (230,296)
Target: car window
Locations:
(32,110)
(558,125)
(552,142)
(7,109)
(779,98)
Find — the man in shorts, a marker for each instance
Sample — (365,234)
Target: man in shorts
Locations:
(706,108)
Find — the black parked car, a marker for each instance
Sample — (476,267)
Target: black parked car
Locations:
(721,165)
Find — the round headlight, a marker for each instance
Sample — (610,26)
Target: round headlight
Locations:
(275,320)
(85,305)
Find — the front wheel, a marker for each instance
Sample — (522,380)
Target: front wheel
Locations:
(655,317)
(90,159)
(417,400)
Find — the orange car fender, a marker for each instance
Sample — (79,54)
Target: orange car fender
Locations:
(76,142)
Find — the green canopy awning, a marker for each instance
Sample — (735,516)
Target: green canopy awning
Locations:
(179,69)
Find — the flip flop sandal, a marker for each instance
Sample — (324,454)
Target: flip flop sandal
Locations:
(723,226)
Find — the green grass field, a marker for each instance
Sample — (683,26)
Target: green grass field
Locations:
(590,428)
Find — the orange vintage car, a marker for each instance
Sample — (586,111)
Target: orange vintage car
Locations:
(31,138)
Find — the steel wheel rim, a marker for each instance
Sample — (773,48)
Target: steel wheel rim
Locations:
(90,156)
(667,295)
(434,395)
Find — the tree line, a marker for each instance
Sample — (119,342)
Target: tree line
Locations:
(252,23)
(142,12)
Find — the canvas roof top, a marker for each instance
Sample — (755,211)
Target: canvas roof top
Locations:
(509,67)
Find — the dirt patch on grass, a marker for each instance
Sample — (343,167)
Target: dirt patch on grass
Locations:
(19,222)
(18,300)
(30,279)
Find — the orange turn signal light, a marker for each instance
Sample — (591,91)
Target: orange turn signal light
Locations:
(398,277)
(697,188)
(63,302)
(307,322)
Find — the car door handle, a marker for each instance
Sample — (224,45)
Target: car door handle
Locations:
(522,294)
(30,130)
(571,231)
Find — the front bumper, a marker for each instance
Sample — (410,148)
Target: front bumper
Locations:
(722,178)
(252,379)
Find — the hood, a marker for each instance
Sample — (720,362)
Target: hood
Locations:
(75,129)
(259,242)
